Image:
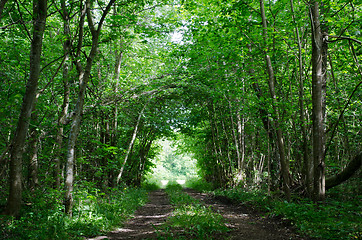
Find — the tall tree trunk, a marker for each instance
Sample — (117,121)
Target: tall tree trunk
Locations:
(33,164)
(227,143)
(235,136)
(16,153)
(83,81)
(143,156)
(307,161)
(117,70)
(280,141)
(318,82)
(66,92)
(134,135)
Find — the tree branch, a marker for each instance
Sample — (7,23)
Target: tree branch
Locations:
(343,38)
(346,173)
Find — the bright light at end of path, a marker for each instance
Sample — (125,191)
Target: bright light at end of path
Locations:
(164,182)
(181,181)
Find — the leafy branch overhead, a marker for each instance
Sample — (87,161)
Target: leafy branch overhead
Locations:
(262,94)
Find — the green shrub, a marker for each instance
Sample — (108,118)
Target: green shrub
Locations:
(199,184)
(150,186)
(94,213)
(173,186)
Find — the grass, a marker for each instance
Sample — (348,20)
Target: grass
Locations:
(94,213)
(191,219)
(150,186)
(333,219)
(199,184)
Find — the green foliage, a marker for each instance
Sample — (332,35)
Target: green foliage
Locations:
(190,218)
(177,197)
(173,187)
(330,220)
(198,221)
(202,86)
(94,213)
(199,184)
(150,186)
(171,164)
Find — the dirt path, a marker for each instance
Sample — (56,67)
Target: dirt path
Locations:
(154,213)
(243,223)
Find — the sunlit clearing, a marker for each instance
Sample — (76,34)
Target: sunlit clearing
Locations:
(171,166)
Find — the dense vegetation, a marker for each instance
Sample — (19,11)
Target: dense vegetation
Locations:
(339,217)
(190,219)
(94,213)
(265,95)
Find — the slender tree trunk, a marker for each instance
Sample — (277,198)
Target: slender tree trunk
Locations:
(307,163)
(241,139)
(119,58)
(219,150)
(218,166)
(33,164)
(227,143)
(143,157)
(66,93)
(280,141)
(318,79)
(235,137)
(18,142)
(83,82)
(134,135)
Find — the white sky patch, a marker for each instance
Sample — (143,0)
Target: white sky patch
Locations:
(176,37)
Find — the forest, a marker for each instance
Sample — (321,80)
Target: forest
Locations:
(264,95)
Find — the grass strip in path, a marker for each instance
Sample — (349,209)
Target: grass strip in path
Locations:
(191,219)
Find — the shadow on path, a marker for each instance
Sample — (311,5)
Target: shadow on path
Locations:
(243,223)
(141,226)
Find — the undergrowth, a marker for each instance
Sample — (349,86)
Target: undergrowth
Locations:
(190,219)
(150,186)
(94,213)
(199,184)
(333,219)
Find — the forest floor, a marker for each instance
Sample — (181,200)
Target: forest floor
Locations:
(243,222)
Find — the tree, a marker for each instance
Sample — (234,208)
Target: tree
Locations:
(280,140)
(84,76)
(318,101)
(17,146)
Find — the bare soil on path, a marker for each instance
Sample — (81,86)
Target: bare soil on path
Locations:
(242,222)
(245,223)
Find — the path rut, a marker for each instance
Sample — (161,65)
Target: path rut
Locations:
(243,223)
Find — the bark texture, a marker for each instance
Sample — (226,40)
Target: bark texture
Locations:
(16,153)
(318,79)
(84,76)
(280,140)
(66,92)
(307,161)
